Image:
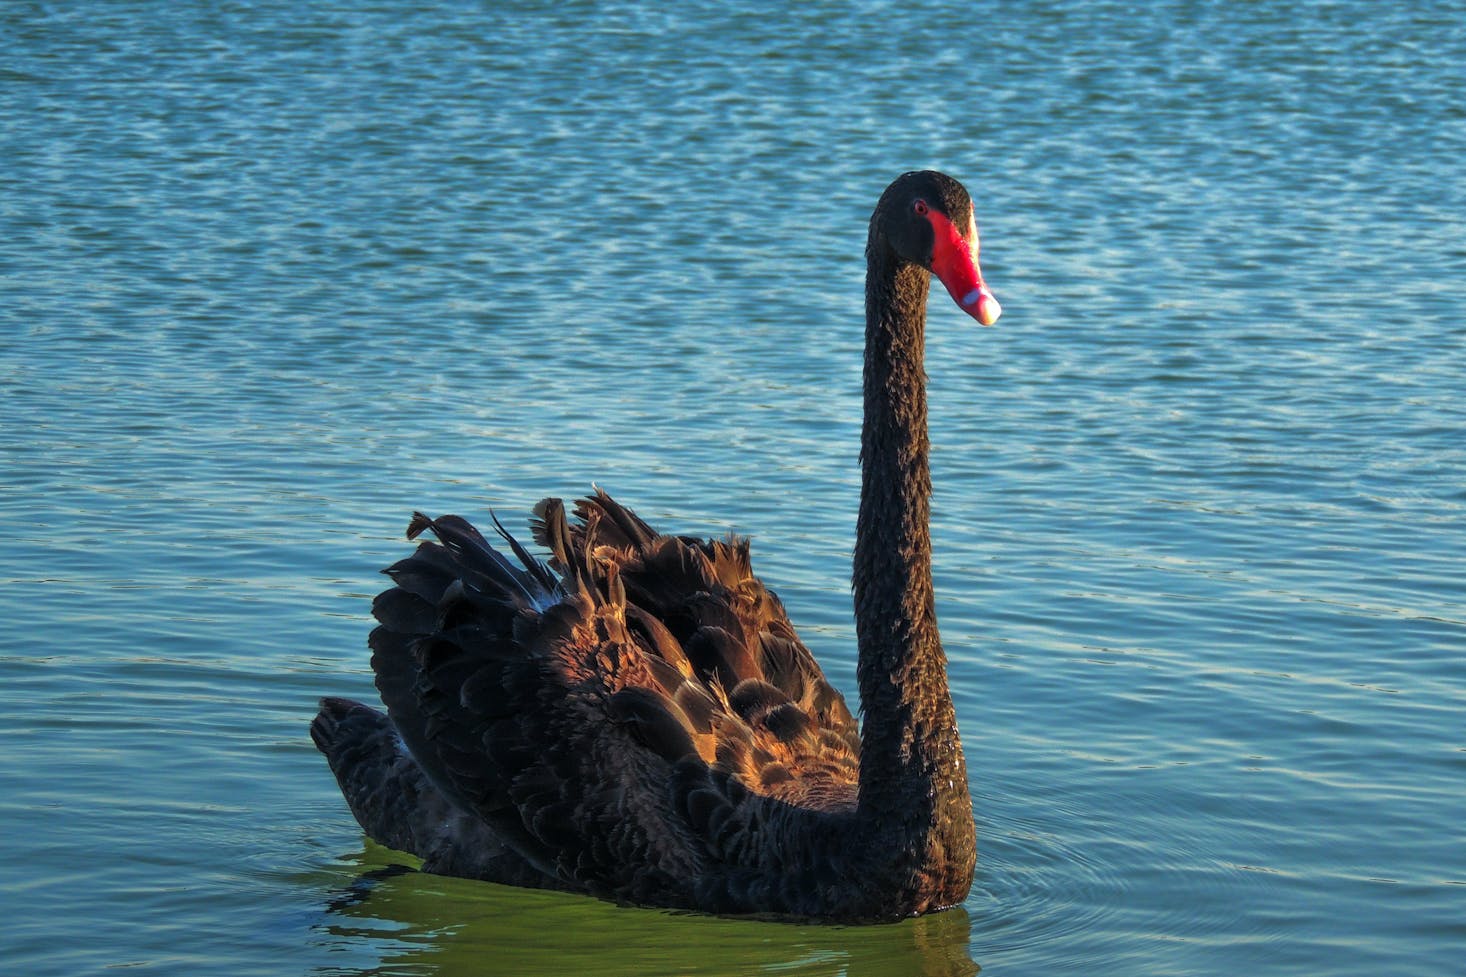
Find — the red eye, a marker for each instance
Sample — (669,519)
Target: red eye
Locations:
(920,207)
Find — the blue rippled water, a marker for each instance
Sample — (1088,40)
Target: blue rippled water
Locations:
(273,275)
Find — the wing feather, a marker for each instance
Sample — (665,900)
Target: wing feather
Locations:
(622,715)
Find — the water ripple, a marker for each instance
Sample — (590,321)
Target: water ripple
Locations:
(275,276)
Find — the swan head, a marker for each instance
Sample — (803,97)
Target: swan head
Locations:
(927,219)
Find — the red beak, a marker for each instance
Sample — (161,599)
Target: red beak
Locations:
(954,261)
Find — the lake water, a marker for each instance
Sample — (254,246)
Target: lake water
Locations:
(272,275)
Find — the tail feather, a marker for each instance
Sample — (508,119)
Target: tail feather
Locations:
(398,807)
(383,787)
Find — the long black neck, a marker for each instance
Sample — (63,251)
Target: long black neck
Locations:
(913,781)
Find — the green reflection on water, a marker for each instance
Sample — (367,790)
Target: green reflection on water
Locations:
(427,924)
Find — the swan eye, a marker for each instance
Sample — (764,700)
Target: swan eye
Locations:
(920,207)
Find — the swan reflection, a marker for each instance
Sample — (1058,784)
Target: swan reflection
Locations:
(405,922)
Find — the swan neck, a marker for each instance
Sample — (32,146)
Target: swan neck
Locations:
(913,789)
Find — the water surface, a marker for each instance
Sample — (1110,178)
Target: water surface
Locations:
(272,276)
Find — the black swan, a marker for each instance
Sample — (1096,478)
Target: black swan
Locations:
(636,719)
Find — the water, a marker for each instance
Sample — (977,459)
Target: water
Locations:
(275,275)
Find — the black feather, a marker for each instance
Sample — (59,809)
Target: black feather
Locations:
(654,720)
